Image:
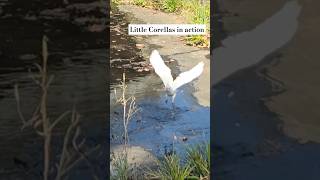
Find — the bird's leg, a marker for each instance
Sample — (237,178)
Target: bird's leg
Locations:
(166,95)
(173,107)
(172,103)
(173,112)
(172,100)
(166,99)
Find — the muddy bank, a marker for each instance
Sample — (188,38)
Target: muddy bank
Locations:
(125,55)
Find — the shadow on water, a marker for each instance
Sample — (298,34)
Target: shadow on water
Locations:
(77,58)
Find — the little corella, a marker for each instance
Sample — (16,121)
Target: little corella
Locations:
(164,72)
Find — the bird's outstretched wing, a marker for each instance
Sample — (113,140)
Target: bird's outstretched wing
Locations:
(161,69)
(188,76)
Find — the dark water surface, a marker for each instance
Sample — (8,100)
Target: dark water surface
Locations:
(248,138)
(77,58)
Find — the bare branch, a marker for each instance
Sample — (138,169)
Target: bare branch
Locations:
(79,159)
(65,157)
(37,123)
(39,69)
(50,81)
(56,121)
(40,133)
(37,82)
(16,92)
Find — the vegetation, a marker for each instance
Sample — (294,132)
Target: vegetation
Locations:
(199,157)
(73,149)
(172,5)
(170,167)
(120,170)
(142,3)
(196,11)
(196,166)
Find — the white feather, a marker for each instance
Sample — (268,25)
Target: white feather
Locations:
(164,73)
(188,76)
(161,68)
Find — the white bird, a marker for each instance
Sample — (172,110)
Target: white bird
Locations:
(164,72)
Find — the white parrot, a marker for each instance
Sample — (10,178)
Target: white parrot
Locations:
(164,72)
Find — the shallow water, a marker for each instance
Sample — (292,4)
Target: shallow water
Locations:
(156,123)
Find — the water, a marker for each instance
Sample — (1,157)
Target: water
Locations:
(77,59)
(156,124)
(248,137)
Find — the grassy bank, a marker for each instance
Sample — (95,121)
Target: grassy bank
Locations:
(195,11)
(195,165)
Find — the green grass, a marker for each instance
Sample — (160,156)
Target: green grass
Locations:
(115,2)
(198,13)
(197,40)
(199,157)
(171,5)
(120,167)
(171,168)
(196,165)
(142,3)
